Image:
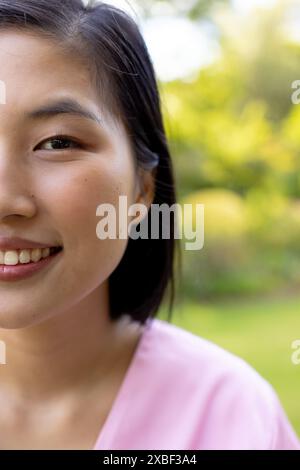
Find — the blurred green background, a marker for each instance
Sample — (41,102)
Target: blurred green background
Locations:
(234,134)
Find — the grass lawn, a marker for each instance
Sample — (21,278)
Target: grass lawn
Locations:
(259,330)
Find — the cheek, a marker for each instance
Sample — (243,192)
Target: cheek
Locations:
(75,196)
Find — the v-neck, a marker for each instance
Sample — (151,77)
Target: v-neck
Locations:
(121,400)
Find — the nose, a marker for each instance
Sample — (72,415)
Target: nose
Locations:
(16,198)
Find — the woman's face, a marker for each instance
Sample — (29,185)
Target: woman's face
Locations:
(49,194)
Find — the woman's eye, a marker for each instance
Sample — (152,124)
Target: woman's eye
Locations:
(59,142)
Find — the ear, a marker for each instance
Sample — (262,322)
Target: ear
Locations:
(145,188)
(144,192)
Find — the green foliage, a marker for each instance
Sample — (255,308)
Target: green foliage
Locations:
(234,134)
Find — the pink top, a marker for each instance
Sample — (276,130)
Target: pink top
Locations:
(183,392)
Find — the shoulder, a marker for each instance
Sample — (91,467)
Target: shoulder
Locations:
(224,389)
(200,360)
(190,354)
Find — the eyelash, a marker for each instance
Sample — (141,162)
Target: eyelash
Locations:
(64,138)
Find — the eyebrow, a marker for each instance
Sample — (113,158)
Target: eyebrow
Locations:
(65,106)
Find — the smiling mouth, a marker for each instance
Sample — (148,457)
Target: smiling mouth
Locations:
(25,256)
(17,267)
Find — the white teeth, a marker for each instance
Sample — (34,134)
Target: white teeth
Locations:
(13,257)
(24,256)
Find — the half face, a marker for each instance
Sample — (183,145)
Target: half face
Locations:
(50,189)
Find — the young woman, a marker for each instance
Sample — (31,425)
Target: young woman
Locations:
(88,366)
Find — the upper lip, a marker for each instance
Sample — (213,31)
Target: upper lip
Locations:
(17,243)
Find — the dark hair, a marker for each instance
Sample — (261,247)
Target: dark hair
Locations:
(120,66)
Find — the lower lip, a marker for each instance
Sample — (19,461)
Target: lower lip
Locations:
(23,271)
